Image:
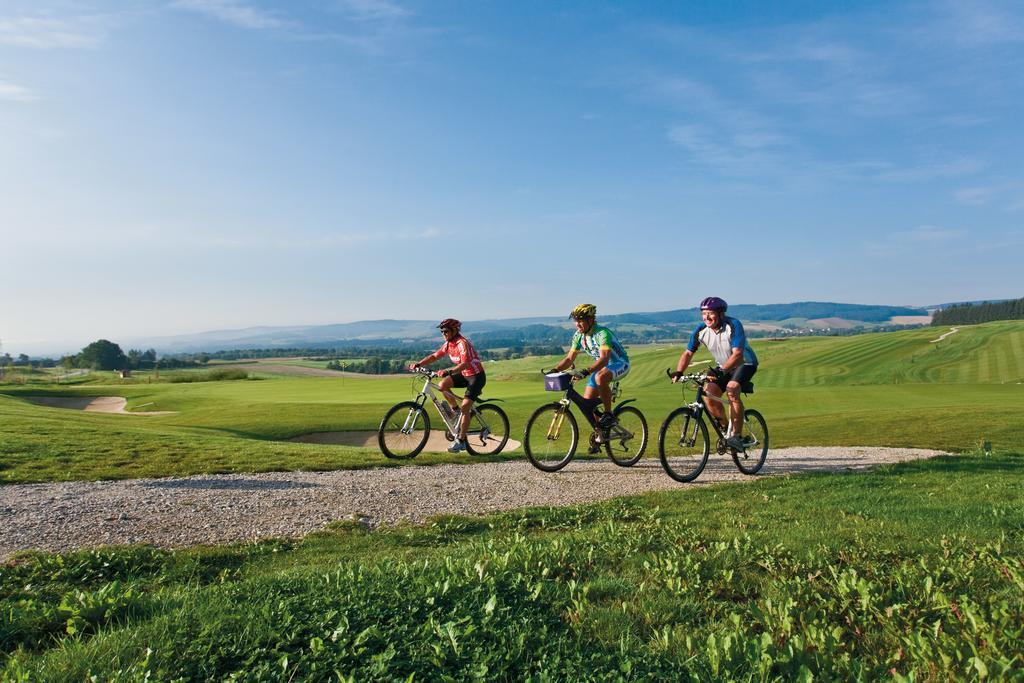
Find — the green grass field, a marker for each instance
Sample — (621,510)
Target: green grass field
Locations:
(878,389)
(908,572)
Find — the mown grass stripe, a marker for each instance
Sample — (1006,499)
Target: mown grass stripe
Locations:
(1015,340)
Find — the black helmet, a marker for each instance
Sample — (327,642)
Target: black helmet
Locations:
(450,323)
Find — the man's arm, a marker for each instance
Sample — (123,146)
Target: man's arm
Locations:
(604,355)
(734,361)
(684,362)
(565,362)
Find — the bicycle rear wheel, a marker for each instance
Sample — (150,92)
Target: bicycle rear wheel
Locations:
(404,430)
(551,437)
(488,430)
(683,445)
(755,436)
(627,440)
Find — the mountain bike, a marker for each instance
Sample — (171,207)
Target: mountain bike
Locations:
(683,443)
(406,426)
(552,433)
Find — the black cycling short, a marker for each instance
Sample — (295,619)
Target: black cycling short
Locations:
(741,374)
(474,384)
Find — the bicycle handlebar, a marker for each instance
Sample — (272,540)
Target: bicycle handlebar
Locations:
(576,374)
(697,377)
(424,371)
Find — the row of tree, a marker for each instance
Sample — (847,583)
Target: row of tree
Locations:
(23,360)
(103,354)
(398,360)
(374,365)
(969,314)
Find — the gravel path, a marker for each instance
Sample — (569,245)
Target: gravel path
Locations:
(214,509)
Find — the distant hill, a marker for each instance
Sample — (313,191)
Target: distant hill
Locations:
(799,317)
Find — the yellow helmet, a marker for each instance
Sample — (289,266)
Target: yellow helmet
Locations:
(584,312)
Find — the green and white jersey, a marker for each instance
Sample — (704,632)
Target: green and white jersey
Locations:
(600,337)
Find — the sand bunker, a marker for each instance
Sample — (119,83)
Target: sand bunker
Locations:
(92,404)
(436,443)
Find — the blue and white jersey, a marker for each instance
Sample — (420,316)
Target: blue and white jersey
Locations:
(721,343)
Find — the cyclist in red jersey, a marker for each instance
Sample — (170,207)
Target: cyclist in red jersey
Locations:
(467,373)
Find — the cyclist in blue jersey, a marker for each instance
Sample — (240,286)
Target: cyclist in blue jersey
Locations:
(727,342)
(610,360)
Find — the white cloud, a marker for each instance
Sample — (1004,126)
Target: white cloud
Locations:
(374,10)
(12,92)
(964,120)
(927,234)
(733,154)
(234,12)
(340,239)
(47,33)
(931,171)
(754,140)
(980,23)
(974,196)
(917,242)
(177,236)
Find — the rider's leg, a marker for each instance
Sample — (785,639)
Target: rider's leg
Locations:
(604,388)
(594,395)
(445,385)
(466,407)
(474,387)
(735,407)
(714,393)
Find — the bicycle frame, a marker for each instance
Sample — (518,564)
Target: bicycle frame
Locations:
(699,408)
(431,391)
(573,396)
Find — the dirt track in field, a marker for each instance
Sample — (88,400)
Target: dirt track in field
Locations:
(217,509)
(436,442)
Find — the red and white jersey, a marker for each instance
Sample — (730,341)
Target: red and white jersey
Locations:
(459,350)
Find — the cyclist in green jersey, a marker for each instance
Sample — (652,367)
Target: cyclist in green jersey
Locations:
(611,362)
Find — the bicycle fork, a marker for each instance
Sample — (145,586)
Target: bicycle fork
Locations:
(690,440)
(556,424)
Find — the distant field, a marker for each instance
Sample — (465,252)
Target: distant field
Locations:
(898,388)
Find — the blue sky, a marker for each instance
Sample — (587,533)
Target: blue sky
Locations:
(173,166)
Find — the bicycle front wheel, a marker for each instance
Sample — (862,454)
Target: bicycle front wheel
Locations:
(755,439)
(488,430)
(683,445)
(404,430)
(551,437)
(627,440)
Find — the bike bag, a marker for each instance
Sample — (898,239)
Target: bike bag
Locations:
(557,381)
